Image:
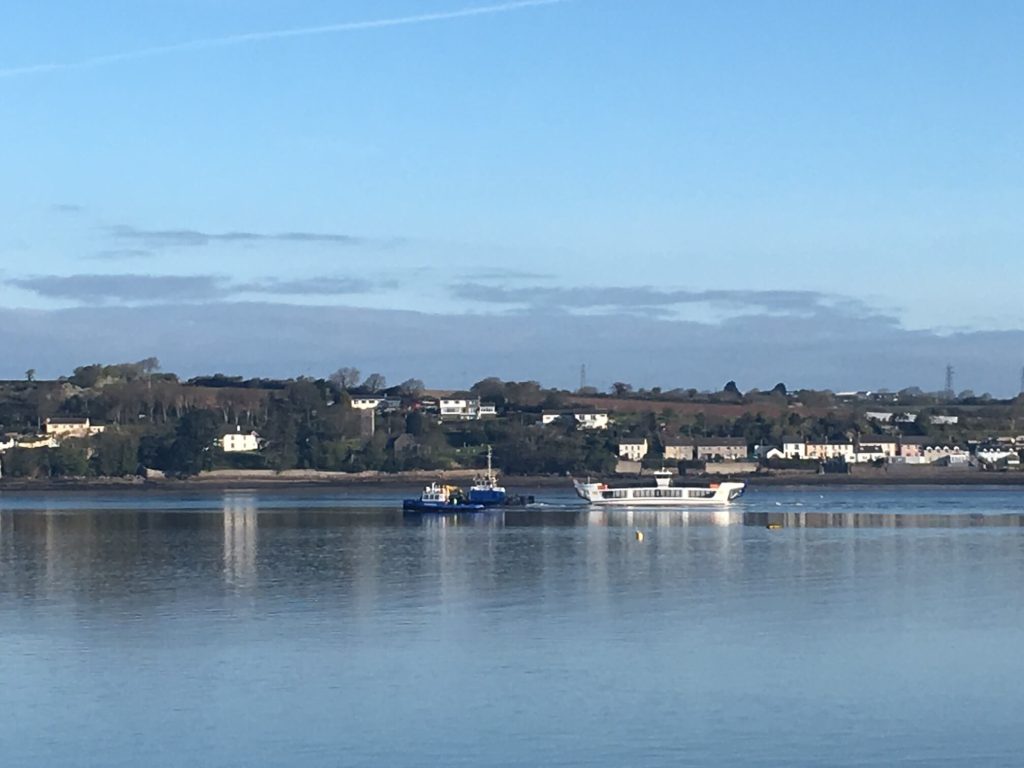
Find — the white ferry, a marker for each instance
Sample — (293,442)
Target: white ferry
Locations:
(662,495)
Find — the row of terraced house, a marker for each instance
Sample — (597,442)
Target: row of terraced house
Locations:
(872,449)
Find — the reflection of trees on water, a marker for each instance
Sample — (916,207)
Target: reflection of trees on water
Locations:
(241,538)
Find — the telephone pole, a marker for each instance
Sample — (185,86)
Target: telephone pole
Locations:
(583,377)
(949,382)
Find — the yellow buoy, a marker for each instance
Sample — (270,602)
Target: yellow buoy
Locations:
(774,526)
(639,535)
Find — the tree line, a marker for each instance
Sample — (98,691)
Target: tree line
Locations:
(155,420)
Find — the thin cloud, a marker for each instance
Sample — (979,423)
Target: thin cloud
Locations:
(140,289)
(316,286)
(191,238)
(67,208)
(501,273)
(281,34)
(118,254)
(647,298)
(88,288)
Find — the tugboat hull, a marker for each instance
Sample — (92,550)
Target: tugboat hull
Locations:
(489,497)
(416,505)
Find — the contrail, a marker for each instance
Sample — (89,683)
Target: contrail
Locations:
(258,37)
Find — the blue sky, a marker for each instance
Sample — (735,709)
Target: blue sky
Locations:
(795,165)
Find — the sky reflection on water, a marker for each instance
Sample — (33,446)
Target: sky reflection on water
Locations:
(248,629)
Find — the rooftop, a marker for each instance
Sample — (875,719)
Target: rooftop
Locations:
(719,441)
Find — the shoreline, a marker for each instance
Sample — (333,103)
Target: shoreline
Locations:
(413,480)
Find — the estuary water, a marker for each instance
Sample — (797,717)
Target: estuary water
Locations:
(865,627)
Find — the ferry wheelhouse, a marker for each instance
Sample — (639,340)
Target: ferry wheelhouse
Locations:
(663,494)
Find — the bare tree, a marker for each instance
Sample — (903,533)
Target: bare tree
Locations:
(346,378)
(375,382)
(30,374)
(149,365)
(411,387)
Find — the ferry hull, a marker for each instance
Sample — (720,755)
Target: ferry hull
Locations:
(663,495)
(659,502)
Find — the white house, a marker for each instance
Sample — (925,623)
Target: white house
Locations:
(859,395)
(877,447)
(996,455)
(71,427)
(953,454)
(633,450)
(945,420)
(794,448)
(680,448)
(883,417)
(583,419)
(466,408)
(368,402)
(867,455)
(591,419)
(240,442)
(38,442)
(888,417)
(840,449)
(722,448)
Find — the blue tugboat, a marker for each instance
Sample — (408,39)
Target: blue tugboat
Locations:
(485,489)
(441,498)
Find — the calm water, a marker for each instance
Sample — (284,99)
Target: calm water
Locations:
(874,627)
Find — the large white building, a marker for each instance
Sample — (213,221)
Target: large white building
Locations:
(240,442)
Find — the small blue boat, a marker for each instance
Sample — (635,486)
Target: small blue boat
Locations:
(441,498)
(485,489)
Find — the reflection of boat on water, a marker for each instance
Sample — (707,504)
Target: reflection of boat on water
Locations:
(627,517)
(485,518)
(441,498)
(664,494)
